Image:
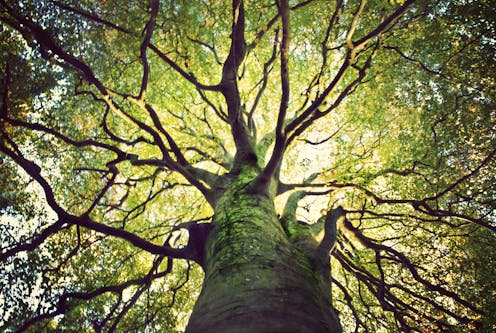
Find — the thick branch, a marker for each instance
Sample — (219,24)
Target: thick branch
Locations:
(330,235)
(229,87)
(154,7)
(280,143)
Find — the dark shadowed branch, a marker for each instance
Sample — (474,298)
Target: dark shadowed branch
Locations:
(280,135)
(150,25)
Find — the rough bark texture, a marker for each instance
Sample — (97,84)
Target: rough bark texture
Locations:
(256,280)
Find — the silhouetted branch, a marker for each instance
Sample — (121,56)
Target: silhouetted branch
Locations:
(150,25)
(280,135)
(408,265)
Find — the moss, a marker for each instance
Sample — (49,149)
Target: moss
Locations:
(252,270)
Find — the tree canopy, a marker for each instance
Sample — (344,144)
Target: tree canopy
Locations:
(118,122)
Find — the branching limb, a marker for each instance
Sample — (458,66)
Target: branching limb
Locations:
(48,44)
(150,25)
(34,171)
(267,67)
(180,164)
(289,211)
(388,21)
(208,46)
(412,60)
(316,80)
(189,172)
(113,172)
(421,205)
(64,303)
(368,242)
(224,163)
(261,33)
(288,217)
(229,88)
(116,138)
(384,292)
(307,117)
(188,76)
(315,104)
(266,141)
(351,30)
(84,143)
(50,48)
(317,239)
(280,136)
(330,235)
(129,304)
(35,242)
(327,138)
(217,110)
(302,124)
(92,17)
(349,302)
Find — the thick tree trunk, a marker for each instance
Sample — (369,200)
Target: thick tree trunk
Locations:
(255,279)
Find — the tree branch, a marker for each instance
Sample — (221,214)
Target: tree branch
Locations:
(411,268)
(34,171)
(280,135)
(330,235)
(189,77)
(160,54)
(300,124)
(229,88)
(265,77)
(260,34)
(63,305)
(150,25)
(353,48)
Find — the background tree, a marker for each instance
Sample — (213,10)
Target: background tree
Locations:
(147,148)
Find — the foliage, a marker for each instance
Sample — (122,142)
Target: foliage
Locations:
(117,124)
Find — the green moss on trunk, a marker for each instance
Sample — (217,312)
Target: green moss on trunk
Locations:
(255,279)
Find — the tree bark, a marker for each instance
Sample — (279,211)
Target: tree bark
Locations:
(256,280)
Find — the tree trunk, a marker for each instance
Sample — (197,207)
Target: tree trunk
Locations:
(256,280)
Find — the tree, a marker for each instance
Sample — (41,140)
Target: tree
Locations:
(277,153)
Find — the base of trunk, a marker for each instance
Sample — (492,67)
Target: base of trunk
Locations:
(281,300)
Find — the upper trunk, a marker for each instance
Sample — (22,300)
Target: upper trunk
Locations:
(256,280)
